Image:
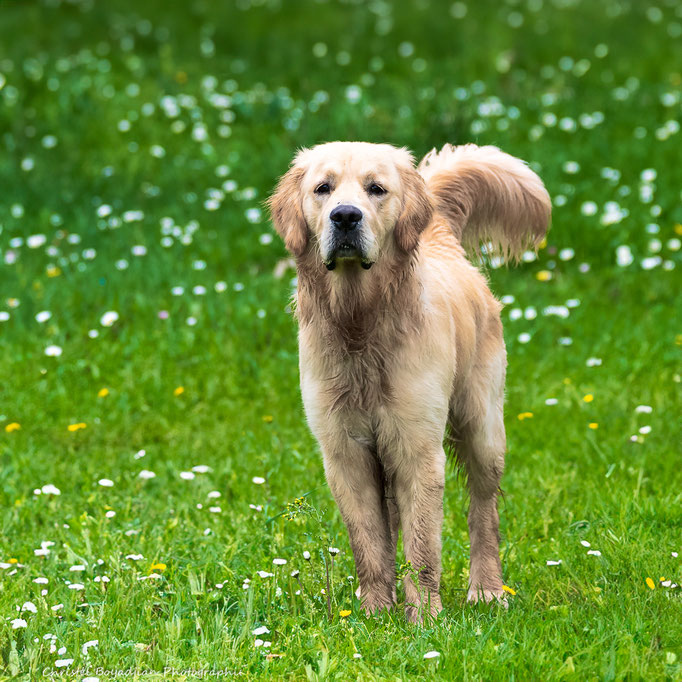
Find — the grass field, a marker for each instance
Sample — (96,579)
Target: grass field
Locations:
(152,440)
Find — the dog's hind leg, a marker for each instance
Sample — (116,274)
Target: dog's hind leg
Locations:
(480,445)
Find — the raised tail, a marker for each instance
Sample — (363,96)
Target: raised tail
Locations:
(488,196)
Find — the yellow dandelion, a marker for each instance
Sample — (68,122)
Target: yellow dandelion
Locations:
(103,393)
(12,561)
(53,271)
(543,243)
(593,425)
(157,566)
(511,590)
(179,391)
(543,276)
(344,613)
(525,415)
(661,579)
(267,418)
(678,228)
(678,340)
(588,398)
(77,427)
(14,426)
(650,584)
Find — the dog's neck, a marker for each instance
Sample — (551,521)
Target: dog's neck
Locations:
(355,307)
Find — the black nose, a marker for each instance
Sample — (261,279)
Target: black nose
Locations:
(346,217)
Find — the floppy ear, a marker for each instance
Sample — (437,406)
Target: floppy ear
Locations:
(417,210)
(286,211)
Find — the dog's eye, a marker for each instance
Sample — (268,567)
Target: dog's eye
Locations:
(323,188)
(376,190)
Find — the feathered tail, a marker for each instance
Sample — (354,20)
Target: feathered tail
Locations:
(488,196)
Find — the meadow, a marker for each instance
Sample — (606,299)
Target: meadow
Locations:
(163,509)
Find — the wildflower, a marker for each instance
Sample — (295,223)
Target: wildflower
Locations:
(508,589)
(525,415)
(262,630)
(643,409)
(543,276)
(76,427)
(344,613)
(157,566)
(63,662)
(18,623)
(53,351)
(105,482)
(87,645)
(594,552)
(108,319)
(258,480)
(14,426)
(588,398)
(145,474)
(650,584)
(593,425)
(279,562)
(552,562)
(103,393)
(431,654)
(267,418)
(179,391)
(306,555)
(53,271)
(334,551)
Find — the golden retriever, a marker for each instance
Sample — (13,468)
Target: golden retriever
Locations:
(401,345)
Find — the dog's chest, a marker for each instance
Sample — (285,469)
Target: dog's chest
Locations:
(349,378)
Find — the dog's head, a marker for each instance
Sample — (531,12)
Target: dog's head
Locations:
(351,201)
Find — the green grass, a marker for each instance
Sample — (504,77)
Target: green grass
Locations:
(520,75)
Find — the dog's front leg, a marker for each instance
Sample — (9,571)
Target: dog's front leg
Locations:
(356,480)
(419,486)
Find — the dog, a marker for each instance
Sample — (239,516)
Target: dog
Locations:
(401,347)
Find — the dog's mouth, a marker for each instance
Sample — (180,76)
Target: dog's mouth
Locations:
(347,252)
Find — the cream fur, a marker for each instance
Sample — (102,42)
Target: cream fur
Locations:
(398,358)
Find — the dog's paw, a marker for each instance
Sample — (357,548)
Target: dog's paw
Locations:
(481,596)
(374,604)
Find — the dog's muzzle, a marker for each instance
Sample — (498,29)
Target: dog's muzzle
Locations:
(346,238)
